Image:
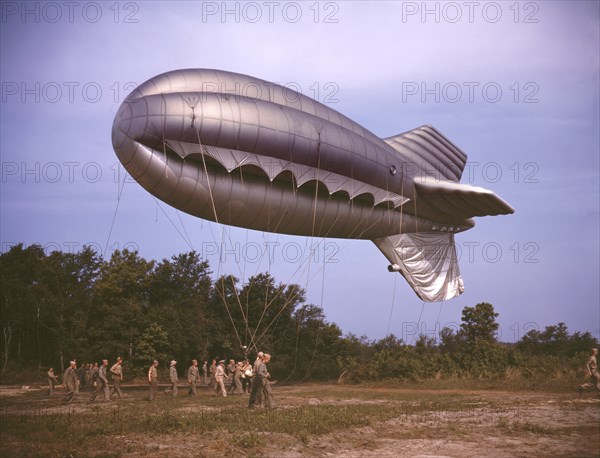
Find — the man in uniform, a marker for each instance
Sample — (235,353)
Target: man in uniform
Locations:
(264,374)
(117,375)
(81,376)
(89,375)
(174,379)
(205,372)
(100,376)
(236,384)
(52,380)
(592,370)
(256,392)
(153,380)
(212,371)
(230,369)
(70,381)
(220,376)
(193,375)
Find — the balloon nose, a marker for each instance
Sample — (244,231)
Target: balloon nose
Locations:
(122,126)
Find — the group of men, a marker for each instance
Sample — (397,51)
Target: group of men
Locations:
(243,376)
(89,375)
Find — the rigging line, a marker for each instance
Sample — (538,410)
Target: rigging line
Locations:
(267,243)
(267,305)
(287,302)
(280,290)
(184,230)
(317,183)
(419,321)
(244,316)
(299,319)
(173,224)
(387,333)
(227,308)
(188,241)
(319,328)
(244,281)
(120,189)
(212,200)
(439,313)
(244,272)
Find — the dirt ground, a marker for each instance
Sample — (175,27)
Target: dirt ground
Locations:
(485,423)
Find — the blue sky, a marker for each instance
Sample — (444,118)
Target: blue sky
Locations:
(514,85)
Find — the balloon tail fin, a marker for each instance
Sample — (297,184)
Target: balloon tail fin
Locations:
(428,262)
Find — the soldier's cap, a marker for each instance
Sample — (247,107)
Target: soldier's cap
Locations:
(222,361)
(73,362)
(173,362)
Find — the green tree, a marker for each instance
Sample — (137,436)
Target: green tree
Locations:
(152,345)
(120,311)
(479,323)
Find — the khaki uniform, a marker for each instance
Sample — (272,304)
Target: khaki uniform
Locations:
(205,372)
(247,377)
(174,379)
(236,385)
(219,378)
(70,381)
(81,376)
(89,376)
(193,375)
(153,381)
(592,367)
(212,372)
(117,375)
(100,377)
(257,386)
(262,379)
(52,380)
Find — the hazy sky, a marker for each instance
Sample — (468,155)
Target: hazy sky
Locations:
(514,85)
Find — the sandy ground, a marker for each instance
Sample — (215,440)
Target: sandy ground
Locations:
(490,424)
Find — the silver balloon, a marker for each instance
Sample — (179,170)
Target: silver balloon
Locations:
(242,151)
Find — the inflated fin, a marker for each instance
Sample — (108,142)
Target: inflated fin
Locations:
(427,152)
(446,201)
(428,262)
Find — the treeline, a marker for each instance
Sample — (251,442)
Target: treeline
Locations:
(473,352)
(60,306)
